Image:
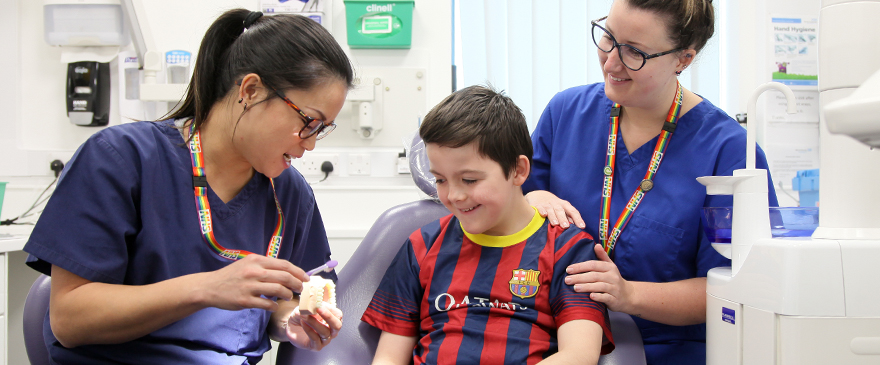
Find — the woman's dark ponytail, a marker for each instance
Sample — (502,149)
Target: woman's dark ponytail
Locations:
(201,92)
(287,51)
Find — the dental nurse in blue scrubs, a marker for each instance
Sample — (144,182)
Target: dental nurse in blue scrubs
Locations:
(184,241)
(640,140)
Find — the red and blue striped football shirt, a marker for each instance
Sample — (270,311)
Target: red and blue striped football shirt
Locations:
(477,299)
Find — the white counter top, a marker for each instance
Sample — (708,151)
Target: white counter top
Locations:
(12,243)
(13,238)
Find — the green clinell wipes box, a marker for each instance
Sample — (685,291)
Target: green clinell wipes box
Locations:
(379,24)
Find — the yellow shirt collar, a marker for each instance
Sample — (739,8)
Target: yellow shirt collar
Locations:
(510,240)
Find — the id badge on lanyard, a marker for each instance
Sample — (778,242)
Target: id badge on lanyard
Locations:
(609,239)
(200,187)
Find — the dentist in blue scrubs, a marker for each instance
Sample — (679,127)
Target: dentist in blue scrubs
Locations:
(640,140)
(184,241)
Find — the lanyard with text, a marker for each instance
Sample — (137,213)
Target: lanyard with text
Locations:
(200,185)
(646,184)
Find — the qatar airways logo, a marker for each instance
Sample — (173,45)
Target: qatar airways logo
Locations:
(446,302)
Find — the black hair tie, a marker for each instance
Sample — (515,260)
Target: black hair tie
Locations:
(251,18)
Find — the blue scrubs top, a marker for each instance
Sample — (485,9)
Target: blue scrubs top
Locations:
(664,240)
(124,213)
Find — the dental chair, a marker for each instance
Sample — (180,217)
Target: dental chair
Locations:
(35,307)
(359,278)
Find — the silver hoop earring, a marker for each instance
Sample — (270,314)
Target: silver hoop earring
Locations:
(239,100)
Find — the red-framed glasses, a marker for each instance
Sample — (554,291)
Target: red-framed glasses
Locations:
(312,126)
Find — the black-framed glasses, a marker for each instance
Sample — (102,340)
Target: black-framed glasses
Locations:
(632,57)
(312,126)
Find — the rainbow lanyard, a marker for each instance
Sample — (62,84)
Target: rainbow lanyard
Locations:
(200,185)
(647,183)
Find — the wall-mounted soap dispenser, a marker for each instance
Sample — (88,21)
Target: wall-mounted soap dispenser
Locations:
(88,93)
(90,33)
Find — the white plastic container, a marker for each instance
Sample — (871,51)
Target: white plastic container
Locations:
(84,23)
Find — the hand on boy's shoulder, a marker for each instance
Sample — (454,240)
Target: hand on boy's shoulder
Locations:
(559,212)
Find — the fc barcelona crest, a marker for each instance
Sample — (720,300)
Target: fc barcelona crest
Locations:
(524,283)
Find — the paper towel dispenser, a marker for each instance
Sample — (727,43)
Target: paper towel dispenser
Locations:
(84,23)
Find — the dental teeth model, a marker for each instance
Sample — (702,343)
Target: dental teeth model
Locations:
(317,293)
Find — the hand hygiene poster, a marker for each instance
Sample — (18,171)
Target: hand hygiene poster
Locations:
(795,51)
(793,139)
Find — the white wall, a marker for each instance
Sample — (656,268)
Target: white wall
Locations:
(36,130)
(41,88)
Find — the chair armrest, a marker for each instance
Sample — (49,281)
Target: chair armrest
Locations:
(628,347)
(358,280)
(35,308)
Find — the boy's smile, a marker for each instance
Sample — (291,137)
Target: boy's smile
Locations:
(473,187)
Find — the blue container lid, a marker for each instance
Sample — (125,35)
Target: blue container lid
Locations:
(808,173)
(806,180)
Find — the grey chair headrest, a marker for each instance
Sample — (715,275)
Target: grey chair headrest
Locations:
(420,168)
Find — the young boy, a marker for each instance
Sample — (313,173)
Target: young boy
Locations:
(484,285)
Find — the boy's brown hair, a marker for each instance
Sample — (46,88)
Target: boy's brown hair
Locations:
(483,115)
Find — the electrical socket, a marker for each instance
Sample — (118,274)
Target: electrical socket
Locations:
(310,163)
(358,164)
(62,156)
